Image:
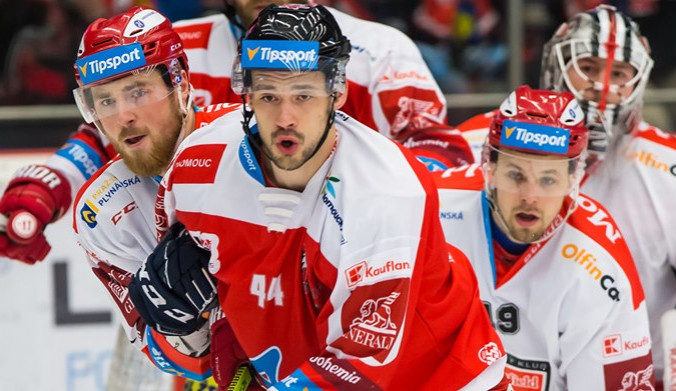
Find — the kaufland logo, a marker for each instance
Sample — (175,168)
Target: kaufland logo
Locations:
(363,271)
(612,345)
(534,137)
(110,62)
(294,55)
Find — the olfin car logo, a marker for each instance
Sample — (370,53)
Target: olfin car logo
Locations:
(293,55)
(110,62)
(88,213)
(539,138)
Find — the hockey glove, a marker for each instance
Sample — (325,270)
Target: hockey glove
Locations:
(173,289)
(35,197)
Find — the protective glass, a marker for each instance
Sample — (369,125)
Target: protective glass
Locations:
(134,90)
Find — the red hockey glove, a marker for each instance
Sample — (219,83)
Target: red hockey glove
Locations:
(37,196)
(228,357)
(439,149)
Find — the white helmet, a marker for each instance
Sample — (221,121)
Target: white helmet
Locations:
(605,33)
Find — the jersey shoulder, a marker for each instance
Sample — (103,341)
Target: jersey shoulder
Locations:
(106,193)
(595,222)
(467,177)
(209,114)
(478,122)
(657,136)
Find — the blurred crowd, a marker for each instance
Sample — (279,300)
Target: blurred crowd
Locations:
(464,42)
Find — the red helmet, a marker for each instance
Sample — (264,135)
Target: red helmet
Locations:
(540,122)
(159,43)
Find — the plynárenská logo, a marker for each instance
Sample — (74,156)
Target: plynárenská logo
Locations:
(110,62)
(539,138)
(294,55)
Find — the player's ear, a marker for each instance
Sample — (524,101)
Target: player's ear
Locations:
(341,98)
(184,86)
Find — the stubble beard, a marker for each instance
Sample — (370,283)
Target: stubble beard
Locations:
(155,160)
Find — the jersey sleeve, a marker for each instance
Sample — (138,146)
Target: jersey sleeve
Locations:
(84,153)
(117,242)
(608,350)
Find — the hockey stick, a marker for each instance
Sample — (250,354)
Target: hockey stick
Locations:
(241,380)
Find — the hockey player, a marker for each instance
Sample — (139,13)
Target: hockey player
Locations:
(601,57)
(144,107)
(391,90)
(330,260)
(554,272)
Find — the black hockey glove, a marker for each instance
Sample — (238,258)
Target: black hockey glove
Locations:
(173,289)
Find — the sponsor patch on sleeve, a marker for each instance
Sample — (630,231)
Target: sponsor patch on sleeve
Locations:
(195,36)
(197,164)
(630,375)
(84,157)
(372,320)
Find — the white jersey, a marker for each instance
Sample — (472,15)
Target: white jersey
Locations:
(570,311)
(338,259)
(114,220)
(637,184)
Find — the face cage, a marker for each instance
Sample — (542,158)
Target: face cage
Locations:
(601,123)
(171,72)
(559,219)
(333,69)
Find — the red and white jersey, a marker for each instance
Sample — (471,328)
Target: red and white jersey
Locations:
(475,132)
(114,220)
(571,311)
(348,284)
(636,182)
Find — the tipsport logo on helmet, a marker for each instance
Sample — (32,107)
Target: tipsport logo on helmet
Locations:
(537,138)
(294,55)
(110,62)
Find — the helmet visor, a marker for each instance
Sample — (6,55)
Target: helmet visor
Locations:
(531,176)
(139,89)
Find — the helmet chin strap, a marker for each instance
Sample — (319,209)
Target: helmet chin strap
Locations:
(256,138)
(184,107)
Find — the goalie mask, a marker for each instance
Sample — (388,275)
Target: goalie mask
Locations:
(601,57)
(533,161)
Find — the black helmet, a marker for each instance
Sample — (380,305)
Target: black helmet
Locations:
(303,23)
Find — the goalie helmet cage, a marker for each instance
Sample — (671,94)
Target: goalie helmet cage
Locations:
(131,370)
